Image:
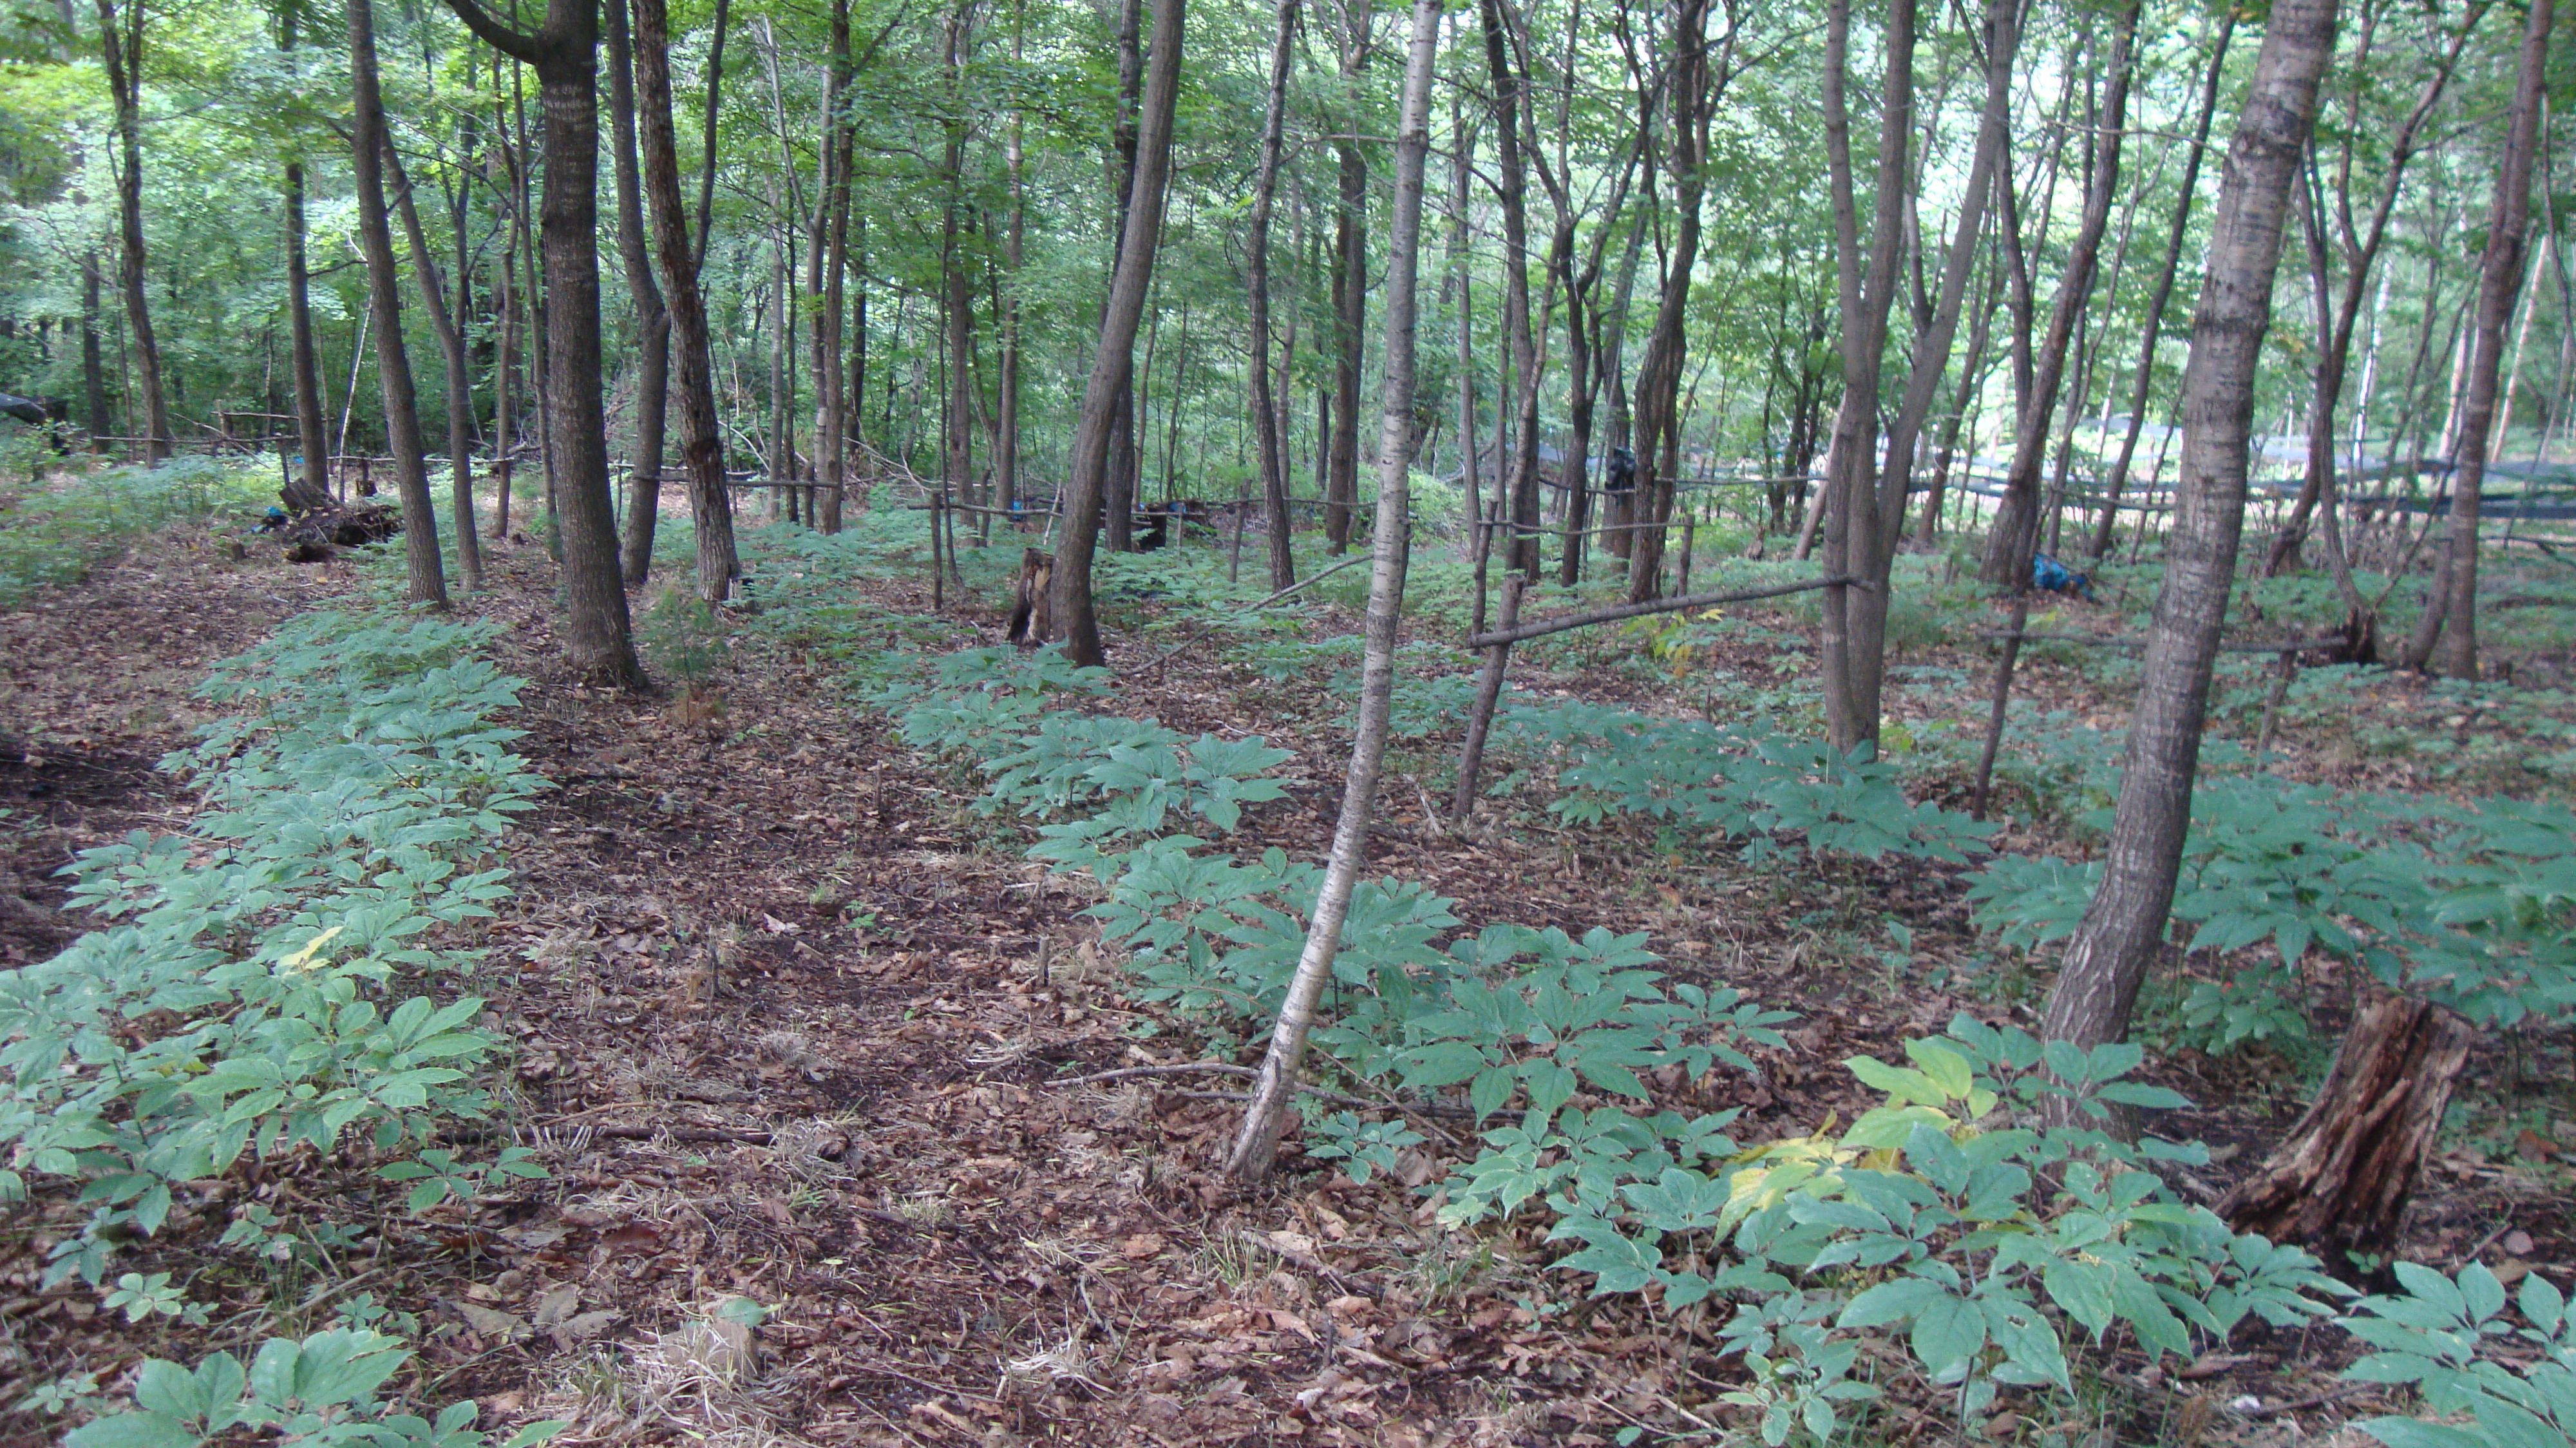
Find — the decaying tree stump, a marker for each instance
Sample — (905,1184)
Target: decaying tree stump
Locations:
(2338,1186)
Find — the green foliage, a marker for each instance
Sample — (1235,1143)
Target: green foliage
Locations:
(52,535)
(269,981)
(681,637)
(2449,1338)
(320,1391)
(1760,787)
(1365,1147)
(2473,907)
(1983,1243)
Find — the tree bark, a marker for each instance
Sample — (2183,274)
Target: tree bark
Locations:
(2124,925)
(1265,403)
(597,641)
(1350,296)
(2016,530)
(312,486)
(1519,478)
(2339,1183)
(701,446)
(2153,331)
(652,318)
(1851,522)
(1659,375)
(426,579)
(94,369)
(1256,1144)
(829,266)
(124,54)
(2446,637)
(1113,366)
(460,379)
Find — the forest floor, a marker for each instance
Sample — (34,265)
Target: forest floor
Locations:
(868,1128)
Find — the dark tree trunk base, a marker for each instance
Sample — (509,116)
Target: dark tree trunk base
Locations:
(2339,1185)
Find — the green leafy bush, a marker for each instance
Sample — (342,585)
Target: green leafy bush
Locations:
(2475,907)
(270,978)
(2449,1338)
(1756,786)
(319,1392)
(1935,1216)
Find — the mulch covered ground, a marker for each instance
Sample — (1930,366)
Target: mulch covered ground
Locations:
(792,1022)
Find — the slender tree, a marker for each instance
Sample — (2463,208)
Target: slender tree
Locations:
(311,487)
(123,49)
(1113,366)
(2446,635)
(367,146)
(460,377)
(1257,1141)
(701,448)
(2123,926)
(1265,402)
(652,318)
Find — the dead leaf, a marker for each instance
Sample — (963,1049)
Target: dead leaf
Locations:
(555,1306)
(492,1322)
(2517,1243)
(1142,1246)
(635,1239)
(2533,1146)
(576,1330)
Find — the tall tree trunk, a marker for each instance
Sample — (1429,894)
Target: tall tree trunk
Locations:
(1257,1141)
(2124,925)
(1659,375)
(1350,281)
(2446,637)
(829,270)
(1462,268)
(957,295)
(312,486)
(597,641)
(701,447)
(2016,531)
(427,582)
(1118,484)
(1113,366)
(1006,432)
(2184,209)
(460,379)
(652,318)
(1519,478)
(505,383)
(1265,403)
(124,53)
(94,365)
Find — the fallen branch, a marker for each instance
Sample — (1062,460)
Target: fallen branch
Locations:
(1616,612)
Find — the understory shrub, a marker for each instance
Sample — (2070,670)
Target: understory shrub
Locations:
(2471,905)
(51,534)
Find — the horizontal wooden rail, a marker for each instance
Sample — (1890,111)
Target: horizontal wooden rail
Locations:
(1616,612)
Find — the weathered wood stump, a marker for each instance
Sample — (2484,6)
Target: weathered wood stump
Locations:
(2339,1184)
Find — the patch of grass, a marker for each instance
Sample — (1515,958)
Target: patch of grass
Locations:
(51,534)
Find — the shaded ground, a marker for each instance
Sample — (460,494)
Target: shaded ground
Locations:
(791,1019)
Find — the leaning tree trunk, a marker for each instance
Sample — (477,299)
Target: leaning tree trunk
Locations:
(1113,366)
(598,643)
(460,379)
(2339,1184)
(367,144)
(701,449)
(1659,376)
(2446,638)
(2124,925)
(2016,530)
(1258,1140)
(652,318)
(124,53)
